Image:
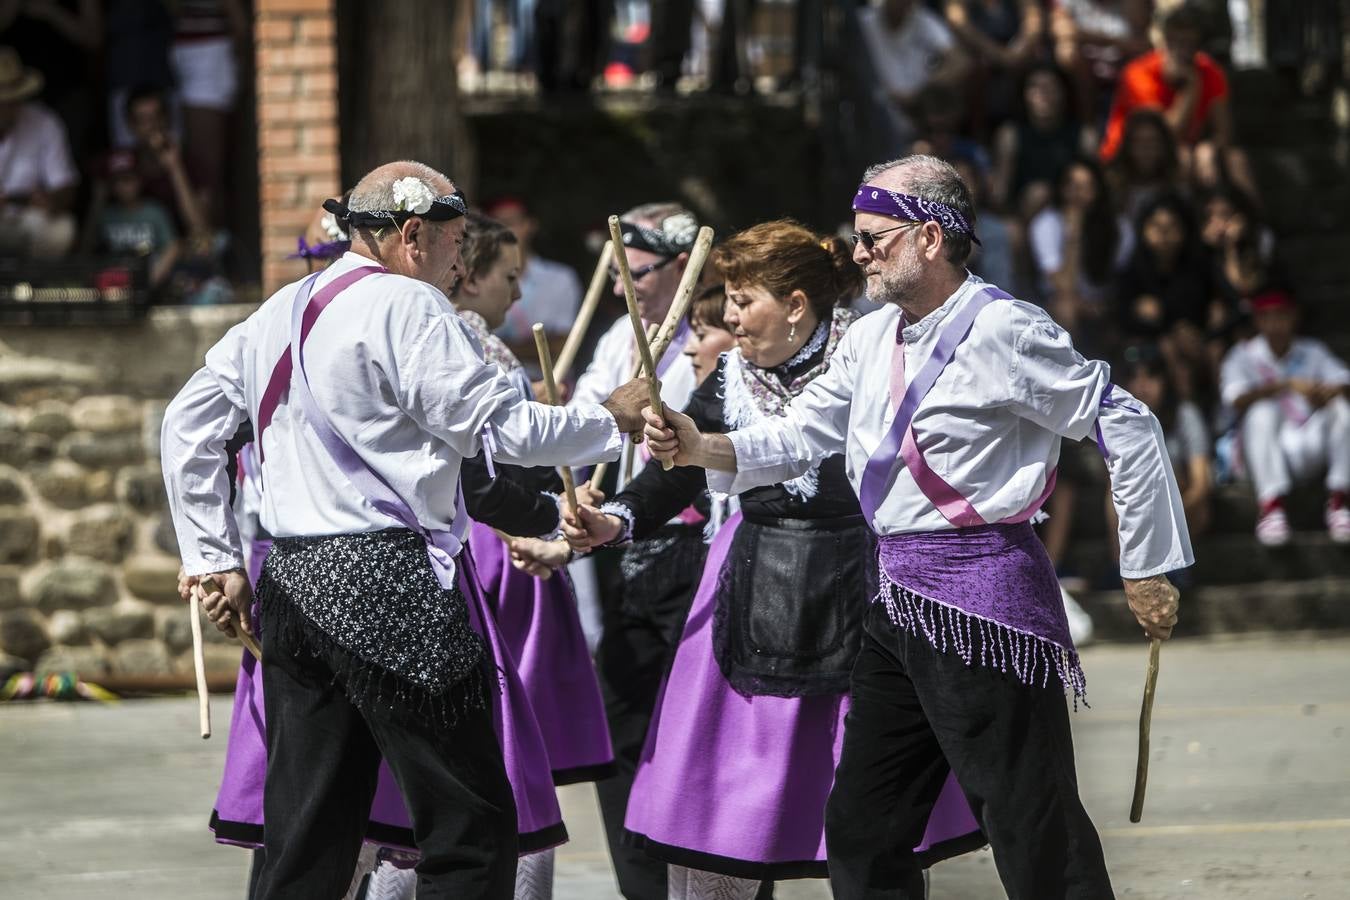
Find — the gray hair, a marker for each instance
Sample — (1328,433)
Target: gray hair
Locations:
(375,191)
(930,178)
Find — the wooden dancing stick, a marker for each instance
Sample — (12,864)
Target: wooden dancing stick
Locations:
(594,291)
(551,386)
(598,474)
(1145,726)
(209,586)
(635,317)
(199,666)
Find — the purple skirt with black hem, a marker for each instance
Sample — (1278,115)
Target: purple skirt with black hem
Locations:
(738,785)
(540,626)
(238,814)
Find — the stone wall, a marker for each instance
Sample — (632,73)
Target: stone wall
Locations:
(88,561)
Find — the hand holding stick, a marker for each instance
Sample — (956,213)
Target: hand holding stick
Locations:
(634,316)
(598,474)
(594,291)
(209,586)
(551,386)
(1145,727)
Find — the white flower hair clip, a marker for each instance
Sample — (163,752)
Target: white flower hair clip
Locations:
(412,195)
(680,230)
(332,229)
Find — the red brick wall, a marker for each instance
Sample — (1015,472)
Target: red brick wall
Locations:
(296,43)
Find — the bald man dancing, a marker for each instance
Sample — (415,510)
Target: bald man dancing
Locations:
(363,415)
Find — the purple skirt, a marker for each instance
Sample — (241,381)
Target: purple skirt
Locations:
(758,769)
(238,814)
(538,622)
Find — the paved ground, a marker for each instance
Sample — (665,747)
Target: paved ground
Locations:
(1249,794)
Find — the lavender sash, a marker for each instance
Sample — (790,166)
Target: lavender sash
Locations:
(442,545)
(887,458)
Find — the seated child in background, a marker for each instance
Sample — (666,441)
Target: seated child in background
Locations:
(129,223)
(1290,393)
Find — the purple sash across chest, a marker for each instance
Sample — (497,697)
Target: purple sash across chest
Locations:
(289,374)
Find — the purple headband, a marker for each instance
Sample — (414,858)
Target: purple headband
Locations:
(883,202)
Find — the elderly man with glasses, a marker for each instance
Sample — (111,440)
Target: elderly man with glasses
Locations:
(949,405)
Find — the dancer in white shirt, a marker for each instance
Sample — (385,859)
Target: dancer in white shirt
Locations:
(949,405)
(1291,394)
(363,415)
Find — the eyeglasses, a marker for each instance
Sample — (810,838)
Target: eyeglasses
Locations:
(869,238)
(641,272)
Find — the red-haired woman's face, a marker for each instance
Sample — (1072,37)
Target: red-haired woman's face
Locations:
(763,324)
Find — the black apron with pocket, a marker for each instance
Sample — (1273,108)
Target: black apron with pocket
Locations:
(790,603)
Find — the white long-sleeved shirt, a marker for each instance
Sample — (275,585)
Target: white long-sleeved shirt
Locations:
(612,366)
(991,427)
(398,375)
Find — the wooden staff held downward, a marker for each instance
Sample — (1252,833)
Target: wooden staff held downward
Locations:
(551,387)
(1145,727)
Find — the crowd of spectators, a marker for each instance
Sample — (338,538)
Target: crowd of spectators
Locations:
(1097,138)
(114,127)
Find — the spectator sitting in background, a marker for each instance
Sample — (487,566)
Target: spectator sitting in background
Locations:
(992,257)
(1031,153)
(1192,92)
(1167,293)
(61,41)
(550,292)
(1148,163)
(37,176)
(1001,36)
(910,48)
(160,163)
(1295,420)
(1077,245)
(1093,39)
(1144,374)
(125,222)
(1242,248)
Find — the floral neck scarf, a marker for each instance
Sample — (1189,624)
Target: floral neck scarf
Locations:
(751,393)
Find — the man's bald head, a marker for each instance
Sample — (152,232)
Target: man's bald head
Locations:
(416,247)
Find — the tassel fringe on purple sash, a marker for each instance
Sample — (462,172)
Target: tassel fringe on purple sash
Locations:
(1025,656)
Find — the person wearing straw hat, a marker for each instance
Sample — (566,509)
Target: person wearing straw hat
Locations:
(37,175)
(641,625)
(363,417)
(949,405)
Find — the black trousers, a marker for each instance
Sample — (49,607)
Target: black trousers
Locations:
(323,757)
(918,714)
(642,626)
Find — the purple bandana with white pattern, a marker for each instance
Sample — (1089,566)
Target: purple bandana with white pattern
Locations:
(883,202)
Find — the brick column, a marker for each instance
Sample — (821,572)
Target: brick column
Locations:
(298,169)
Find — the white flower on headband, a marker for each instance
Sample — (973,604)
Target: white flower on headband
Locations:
(331,228)
(680,229)
(412,195)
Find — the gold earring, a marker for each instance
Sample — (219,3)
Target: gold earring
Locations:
(792,335)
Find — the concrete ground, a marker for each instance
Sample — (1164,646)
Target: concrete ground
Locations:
(1249,791)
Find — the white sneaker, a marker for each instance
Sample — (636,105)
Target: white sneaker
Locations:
(1338,524)
(1272,529)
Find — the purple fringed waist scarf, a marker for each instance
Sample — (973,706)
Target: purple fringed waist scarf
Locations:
(989,593)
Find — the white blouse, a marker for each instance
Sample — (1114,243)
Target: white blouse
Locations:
(990,427)
(399,376)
